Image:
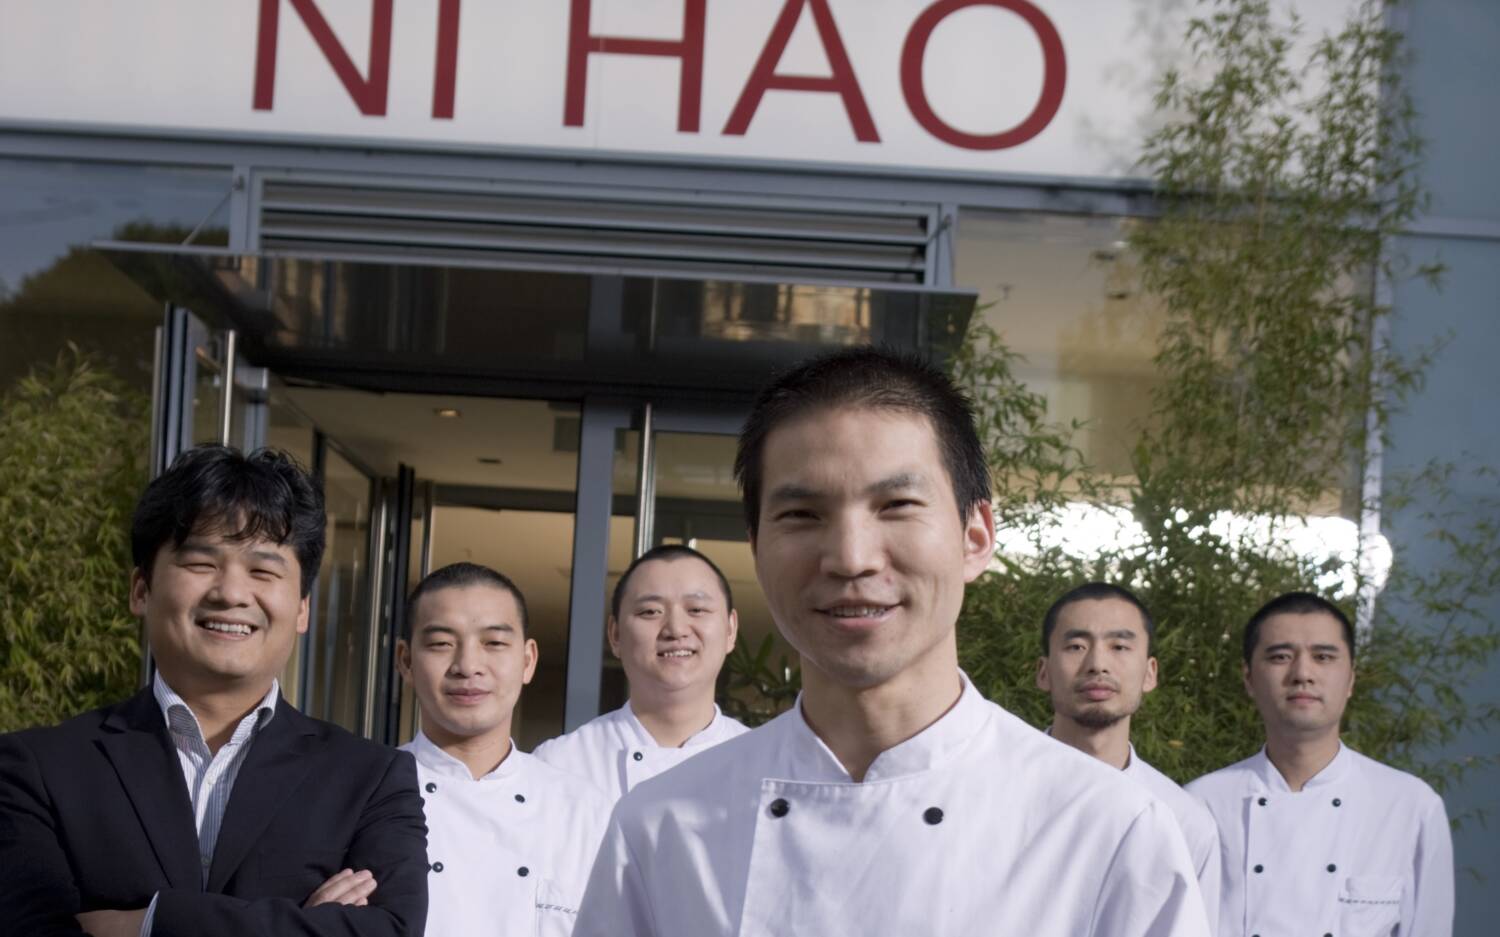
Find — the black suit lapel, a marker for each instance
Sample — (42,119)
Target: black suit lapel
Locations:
(276,764)
(138,746)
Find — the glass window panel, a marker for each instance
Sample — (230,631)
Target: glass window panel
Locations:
(288,431)
(1061,291)
(54,290)
(341,635)
(698,504)
(208,390)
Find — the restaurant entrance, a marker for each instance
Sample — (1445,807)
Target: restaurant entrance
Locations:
(550,425)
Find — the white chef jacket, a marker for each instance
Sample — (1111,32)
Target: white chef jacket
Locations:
(977,825)
(1361,850)
(615,752)
(1197,825)
(509,853)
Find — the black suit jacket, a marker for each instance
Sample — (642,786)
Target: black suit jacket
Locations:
(94,814)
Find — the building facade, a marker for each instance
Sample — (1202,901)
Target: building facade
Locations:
(505,274)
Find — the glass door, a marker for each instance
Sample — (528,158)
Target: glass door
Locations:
(693,499)
(673,482)
(202,393)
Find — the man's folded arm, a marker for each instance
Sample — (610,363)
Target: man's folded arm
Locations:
(37,893)
(391,843)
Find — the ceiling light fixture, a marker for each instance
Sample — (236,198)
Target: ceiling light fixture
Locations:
(447,412)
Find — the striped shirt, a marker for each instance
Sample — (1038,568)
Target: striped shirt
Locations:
(209,775)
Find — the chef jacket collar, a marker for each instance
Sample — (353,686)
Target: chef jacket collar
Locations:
(439,762)
(642,737)
(1271,779)
(928,749)
(1130,760)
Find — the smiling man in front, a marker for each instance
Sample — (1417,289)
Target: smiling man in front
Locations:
(205,804)
(892,799)
(1315,837)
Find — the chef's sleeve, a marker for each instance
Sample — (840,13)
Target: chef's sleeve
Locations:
(1210,872)
(615,903)
(1150,887)
(1431,909)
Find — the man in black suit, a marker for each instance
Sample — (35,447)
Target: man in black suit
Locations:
(205,804)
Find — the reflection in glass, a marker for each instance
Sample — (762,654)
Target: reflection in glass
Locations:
(288,431)
(341,634)
(55,291)
(1061,291)
(209,388)
(698,504)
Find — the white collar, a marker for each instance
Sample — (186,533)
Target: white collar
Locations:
(644,739)
(926,750)
(434,759)
(169,701)
(1332,773)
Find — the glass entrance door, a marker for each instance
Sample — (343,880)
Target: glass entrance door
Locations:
(205,392)
(673,482)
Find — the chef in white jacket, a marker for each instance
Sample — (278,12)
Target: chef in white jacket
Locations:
(892,798)
(1316,838)
(671,623)
(1097,667)
(510,840)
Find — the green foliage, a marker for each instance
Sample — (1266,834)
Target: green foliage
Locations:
(1282,184)
(71,467)
(757,688)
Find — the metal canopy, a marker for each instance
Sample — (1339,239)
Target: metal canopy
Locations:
(527,332)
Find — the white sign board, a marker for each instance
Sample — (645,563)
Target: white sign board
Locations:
(1045,87)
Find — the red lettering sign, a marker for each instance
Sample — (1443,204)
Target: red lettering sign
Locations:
(369,94)
(445,73)
(582,43)
(841,82)
(1054,75)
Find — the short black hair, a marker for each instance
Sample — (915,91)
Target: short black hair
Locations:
(265,494)
(668,551)
(1295,603)
(460,576)
(877,379)
(1094,591)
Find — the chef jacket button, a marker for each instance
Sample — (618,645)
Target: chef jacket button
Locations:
(520,798)
(1332,867)
(431,788)
(779,807)
(638,756)
(1327,935)
(1337,802)
(437,867)
(1262,801)
(523,871)
(933,815)
(1260,868)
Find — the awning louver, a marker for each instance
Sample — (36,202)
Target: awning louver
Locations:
(660,233)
